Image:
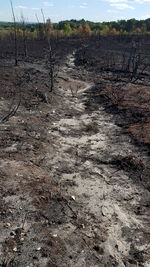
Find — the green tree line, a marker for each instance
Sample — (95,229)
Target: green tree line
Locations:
(82,27)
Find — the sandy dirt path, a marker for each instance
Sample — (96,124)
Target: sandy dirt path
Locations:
(74,203)
(105,200)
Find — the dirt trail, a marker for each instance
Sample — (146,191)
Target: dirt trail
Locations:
(80,205)
(105,199)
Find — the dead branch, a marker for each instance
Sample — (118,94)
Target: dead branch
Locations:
(15,34)
(51,61)
(24,35)
(12,111)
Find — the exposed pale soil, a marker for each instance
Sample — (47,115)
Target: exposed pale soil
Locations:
(74,187)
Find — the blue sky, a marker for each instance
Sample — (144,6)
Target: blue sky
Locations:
(94,10)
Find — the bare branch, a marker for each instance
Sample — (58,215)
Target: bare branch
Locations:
(15,34)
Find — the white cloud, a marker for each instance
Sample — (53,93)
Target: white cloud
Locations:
(145,16)
(83,5)
(48,4)
(122,6)
(21,7)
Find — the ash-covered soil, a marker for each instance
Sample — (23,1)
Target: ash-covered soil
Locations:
(120,68)
(74,187)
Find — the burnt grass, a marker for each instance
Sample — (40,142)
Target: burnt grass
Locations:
(120,86)
(120,91)
(27,128)
(31,202)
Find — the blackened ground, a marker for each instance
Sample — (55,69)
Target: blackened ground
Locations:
(109,63)
(74,187)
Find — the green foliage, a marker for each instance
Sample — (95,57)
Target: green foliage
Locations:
(81,27)
(120,25)
(67,29)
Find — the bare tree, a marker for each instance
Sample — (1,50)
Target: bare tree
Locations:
(24,35)
(51,61)
(38,28)
(37,18)
(15,34)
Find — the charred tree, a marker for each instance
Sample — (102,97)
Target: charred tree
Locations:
(51,60)
(24,36)
(15,35)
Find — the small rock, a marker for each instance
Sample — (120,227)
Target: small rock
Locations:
(89,235)
(55,235)
(73,197)
(7,225)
